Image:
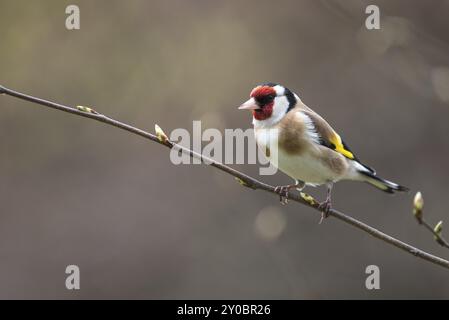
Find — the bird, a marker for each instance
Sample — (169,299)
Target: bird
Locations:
(309,150)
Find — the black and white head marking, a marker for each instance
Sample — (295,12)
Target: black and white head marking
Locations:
(284,101)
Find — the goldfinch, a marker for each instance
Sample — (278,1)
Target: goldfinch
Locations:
(309,150)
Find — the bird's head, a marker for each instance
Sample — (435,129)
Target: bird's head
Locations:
(270,101)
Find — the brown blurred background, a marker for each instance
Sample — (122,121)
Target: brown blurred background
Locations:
(73,191)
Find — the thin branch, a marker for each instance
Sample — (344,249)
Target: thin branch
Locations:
(438,237)
(437,231)
(244,179)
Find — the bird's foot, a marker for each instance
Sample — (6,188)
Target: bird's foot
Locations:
(325,207)
(284,192)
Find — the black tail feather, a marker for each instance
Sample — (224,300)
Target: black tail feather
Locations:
(382,184)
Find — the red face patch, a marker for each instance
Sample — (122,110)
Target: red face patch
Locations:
(262,91)
(264,113)
(264,95)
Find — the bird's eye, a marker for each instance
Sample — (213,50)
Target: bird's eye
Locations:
(264,100)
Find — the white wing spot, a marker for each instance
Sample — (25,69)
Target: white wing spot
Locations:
(310,127)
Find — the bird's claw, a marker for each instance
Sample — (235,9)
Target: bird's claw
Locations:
(283,193)
(325,208)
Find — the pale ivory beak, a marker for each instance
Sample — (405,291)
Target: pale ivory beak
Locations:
(249,105)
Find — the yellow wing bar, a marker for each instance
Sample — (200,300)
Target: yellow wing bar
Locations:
(340,147)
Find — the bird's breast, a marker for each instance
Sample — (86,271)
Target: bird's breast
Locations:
(301,160)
